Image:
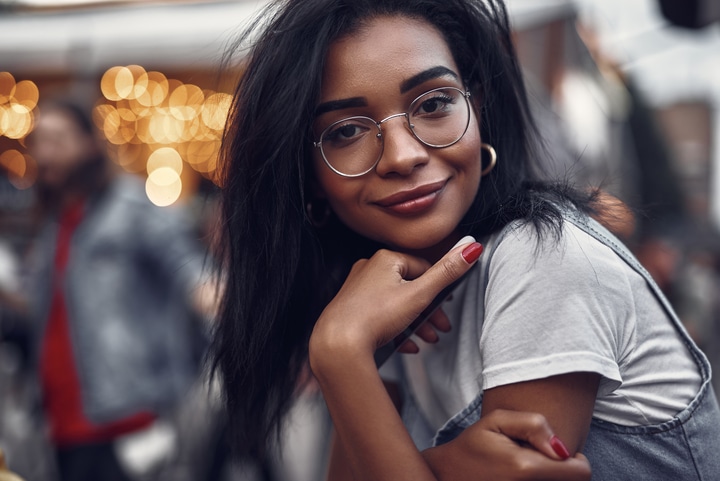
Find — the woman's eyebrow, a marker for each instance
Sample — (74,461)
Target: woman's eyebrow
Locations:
(326,107)
(406,85)
(424,76)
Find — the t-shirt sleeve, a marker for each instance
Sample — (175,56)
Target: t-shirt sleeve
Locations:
(554,308)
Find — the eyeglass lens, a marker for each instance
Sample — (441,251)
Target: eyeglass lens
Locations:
(437,118)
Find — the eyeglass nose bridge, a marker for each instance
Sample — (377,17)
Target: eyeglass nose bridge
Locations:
(401,114)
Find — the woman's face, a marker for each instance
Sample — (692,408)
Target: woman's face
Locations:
(415,197)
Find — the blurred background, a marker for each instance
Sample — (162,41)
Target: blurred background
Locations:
(626,93)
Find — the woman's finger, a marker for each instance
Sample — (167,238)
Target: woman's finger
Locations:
(409,347)
(451,266)
(440,321)
(427,333)
(437,321)
(531,428)
(489,450)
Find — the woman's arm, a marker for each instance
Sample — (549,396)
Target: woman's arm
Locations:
(338,467)
(566,401)
(369,433)
(381,296)
(488,449)
(507,445)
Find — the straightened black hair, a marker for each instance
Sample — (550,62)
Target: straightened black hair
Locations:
(280,270)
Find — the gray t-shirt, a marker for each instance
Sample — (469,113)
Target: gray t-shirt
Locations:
(533,308)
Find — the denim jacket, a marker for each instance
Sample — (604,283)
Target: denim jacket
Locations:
(131,270)
(683,448)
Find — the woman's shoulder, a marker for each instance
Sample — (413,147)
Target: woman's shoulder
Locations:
(565,249)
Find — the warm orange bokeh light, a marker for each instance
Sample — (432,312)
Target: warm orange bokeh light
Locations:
(165,157)
(185,101)
(215,110)
(17,101)
(107,83)
(20,168)
(14,162)
(7,87)
(163,186)
(27,93)
(169,122)
(152,123)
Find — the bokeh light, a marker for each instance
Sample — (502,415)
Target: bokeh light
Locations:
(170,123)
(163,186)
(20,168)
(14,162)
(165,157)
(27,94)
(17,101)
(153,124)
(215,110)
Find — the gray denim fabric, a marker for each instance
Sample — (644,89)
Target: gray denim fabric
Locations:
(127,288)
(682,449)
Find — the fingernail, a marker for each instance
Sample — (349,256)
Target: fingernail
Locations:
(559,447)
(472,252)
(465,240)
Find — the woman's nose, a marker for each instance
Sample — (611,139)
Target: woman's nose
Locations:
(402,152)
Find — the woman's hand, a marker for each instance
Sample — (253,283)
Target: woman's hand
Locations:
(383,295)
(489,450)
(379,299)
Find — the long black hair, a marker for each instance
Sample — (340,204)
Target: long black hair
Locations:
(280,269)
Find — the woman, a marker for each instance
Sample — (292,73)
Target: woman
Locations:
(366,139)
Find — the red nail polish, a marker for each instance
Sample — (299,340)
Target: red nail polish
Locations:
(559,447)
(472,252)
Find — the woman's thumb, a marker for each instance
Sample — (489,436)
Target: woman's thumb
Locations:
(453,265)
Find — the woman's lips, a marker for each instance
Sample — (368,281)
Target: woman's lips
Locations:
(414,201)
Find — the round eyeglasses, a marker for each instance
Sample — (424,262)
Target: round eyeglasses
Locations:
(353,146)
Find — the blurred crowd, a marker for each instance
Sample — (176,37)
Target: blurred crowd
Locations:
(107,301)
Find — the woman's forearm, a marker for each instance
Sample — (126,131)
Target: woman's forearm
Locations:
(373,439)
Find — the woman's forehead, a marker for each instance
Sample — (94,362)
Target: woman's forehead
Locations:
(386,49)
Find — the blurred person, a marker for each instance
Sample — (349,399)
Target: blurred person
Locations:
(113,293)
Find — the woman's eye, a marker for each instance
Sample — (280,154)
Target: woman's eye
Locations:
(438,104)
(430,106)
(344,133)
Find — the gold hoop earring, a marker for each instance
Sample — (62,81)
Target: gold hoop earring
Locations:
(493,159)
(318,217)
